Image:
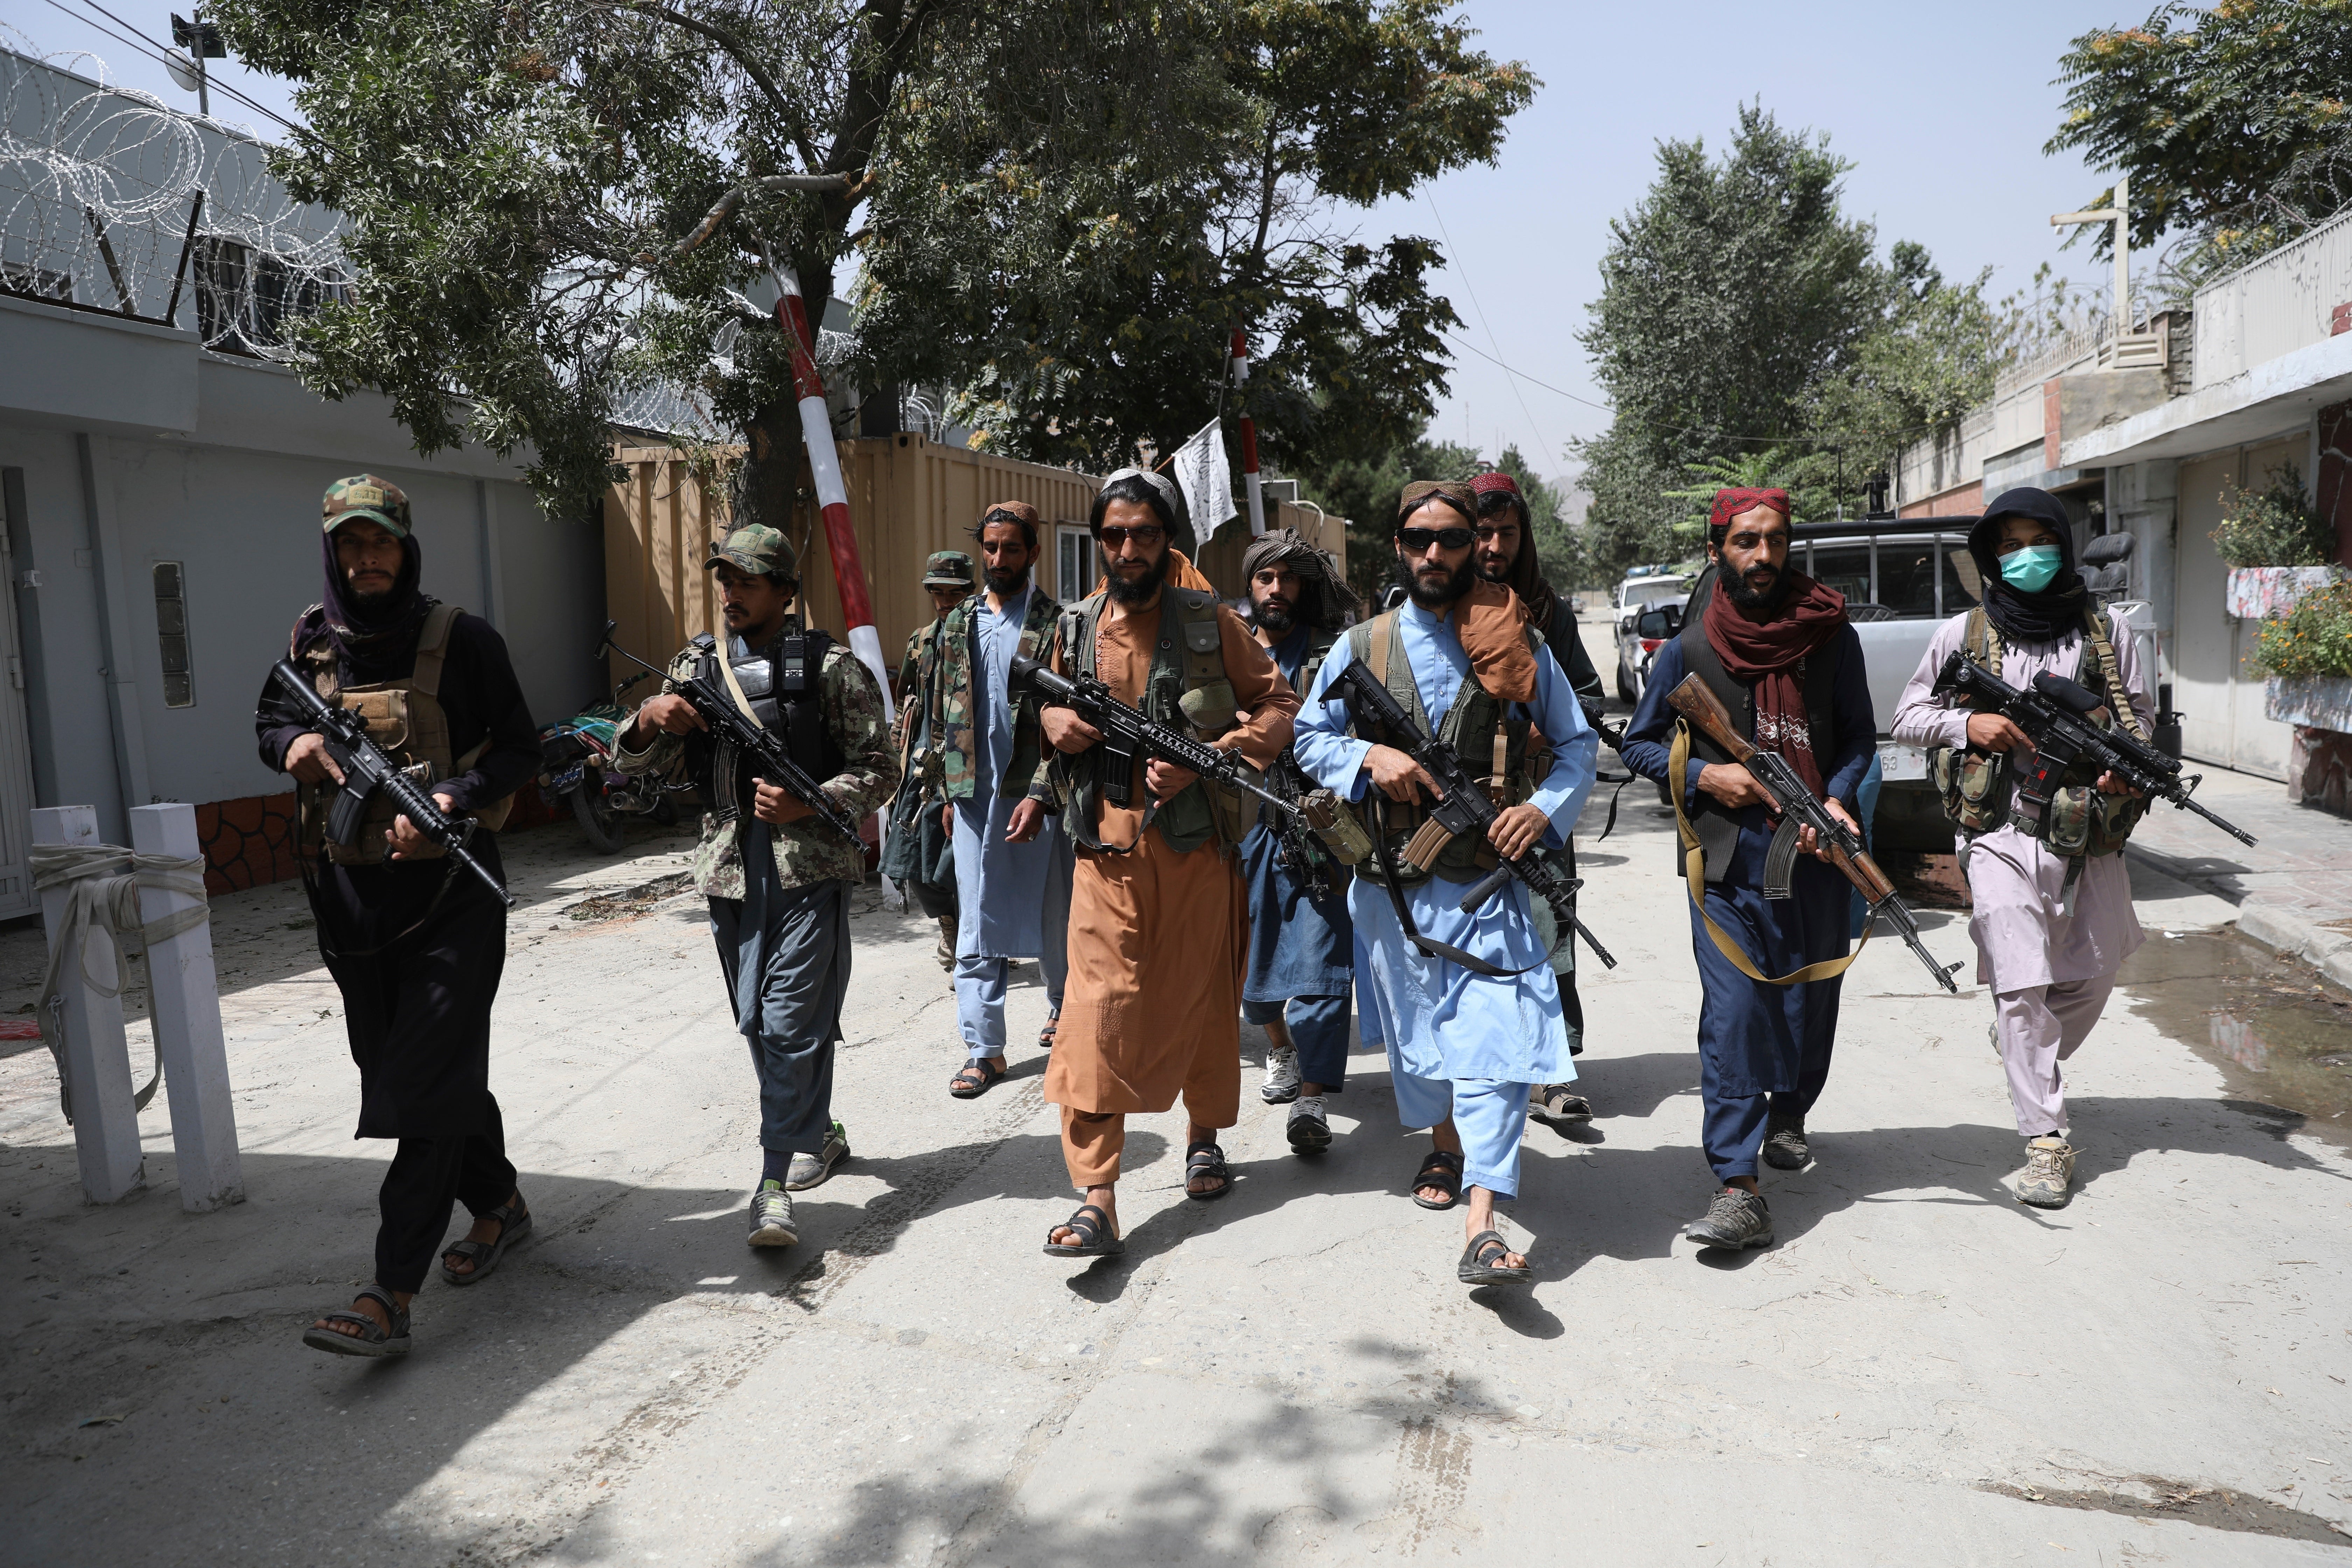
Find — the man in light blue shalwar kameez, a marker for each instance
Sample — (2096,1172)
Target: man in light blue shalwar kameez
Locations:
(1013,861)
(1462,1047)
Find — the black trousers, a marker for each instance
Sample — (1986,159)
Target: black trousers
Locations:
(428,1175)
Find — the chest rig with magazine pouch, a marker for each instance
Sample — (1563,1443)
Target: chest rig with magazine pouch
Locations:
(1187,685)
(1979,789)
(406,719)
(1481,729)
(782,686)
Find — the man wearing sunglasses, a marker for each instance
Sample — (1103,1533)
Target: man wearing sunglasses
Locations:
(1159,916)
(1013,869)
(1506,554)
(1466,1040)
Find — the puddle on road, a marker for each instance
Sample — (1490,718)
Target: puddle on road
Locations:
(2281,1035)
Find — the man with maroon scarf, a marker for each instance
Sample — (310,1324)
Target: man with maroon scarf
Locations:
(1774,646)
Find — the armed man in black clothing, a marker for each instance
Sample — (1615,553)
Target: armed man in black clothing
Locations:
(416,947)
(1506,554)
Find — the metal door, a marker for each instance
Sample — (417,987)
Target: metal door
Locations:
(2217,686)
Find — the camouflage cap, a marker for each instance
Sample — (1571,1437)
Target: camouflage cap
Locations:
(947,569)
(364,495)
(757,549)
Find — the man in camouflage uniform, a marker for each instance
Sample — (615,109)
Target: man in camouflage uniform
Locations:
(1013,864)
(917,855)
(778,880)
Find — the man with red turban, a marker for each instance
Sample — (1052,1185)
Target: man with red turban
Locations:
(1776,649)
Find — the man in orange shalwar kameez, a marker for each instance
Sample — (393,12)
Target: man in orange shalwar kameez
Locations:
(1158,930)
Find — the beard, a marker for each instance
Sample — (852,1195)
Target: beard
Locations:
(1140,591)
(1458,583)
(1276,616)
(1747,596)
(1499,573)
(1004,584)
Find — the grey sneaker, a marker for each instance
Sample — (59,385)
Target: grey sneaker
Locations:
(1282,1079)
(808,1170)
(2049,1172)
(1736,1220)
(1785,1148)
(1309,1129)
(772,1216)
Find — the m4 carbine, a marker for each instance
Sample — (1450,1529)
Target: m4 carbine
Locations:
(771,758)
(1798,807)
(1463,806)
(1127,733)
(2055,716)
(366,770)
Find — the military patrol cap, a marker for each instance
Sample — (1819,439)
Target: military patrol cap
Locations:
(947,569)
(759,550)
(364,495)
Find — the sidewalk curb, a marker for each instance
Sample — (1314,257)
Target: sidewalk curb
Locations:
(2329,952)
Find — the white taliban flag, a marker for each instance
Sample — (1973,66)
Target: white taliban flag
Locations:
(1207,482)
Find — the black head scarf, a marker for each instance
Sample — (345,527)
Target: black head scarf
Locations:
(374,641)
(2020,616)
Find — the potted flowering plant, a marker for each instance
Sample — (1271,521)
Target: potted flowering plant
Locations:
(2277,545)
(2307,654)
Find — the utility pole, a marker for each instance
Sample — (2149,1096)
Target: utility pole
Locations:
(2120,216)
(203,42)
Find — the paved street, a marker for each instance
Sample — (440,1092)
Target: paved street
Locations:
(1291,1374)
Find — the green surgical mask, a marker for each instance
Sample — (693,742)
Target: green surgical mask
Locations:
(2029,570)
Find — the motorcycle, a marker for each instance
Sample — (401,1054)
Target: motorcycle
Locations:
(576,763)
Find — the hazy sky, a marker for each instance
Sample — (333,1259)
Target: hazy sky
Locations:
(1942,112)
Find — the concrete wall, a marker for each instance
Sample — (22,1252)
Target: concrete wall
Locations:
(232,493)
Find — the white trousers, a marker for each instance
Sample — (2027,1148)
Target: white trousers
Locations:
(2040,1028)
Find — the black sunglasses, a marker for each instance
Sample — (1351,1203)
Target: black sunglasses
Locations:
(1148,534)
(1417,540)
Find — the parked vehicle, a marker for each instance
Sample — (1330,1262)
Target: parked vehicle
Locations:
(1639,591)
(1653,627)
(576,764)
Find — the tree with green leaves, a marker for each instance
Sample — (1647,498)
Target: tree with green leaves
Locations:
(554,204)
(2231,120)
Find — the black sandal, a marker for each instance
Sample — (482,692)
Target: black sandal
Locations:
(1442,1169)
(1205,1159)
(485,1254)
(977,1077)
(374,1339)
(1559,1108)
(1474,1268)
(1045,1035)
(1090,1222)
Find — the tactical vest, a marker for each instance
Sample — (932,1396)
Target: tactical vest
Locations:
(782,686)
(1979,789)
(406,720)
(1717,825)
(1186,688)
(1479,727)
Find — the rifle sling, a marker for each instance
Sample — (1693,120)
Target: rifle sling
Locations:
(1695,881)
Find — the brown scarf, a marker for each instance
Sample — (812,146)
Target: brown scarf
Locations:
(1492,626)
(1769,655)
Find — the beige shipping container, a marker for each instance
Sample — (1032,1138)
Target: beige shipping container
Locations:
(909,495)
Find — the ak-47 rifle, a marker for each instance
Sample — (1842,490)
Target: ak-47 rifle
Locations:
(1463,806)
(770,756)
(1798,807)
(1129,733)
(2055,716)
(366,770)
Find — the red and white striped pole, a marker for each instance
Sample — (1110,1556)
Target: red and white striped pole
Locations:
(824,463)
(1250,479)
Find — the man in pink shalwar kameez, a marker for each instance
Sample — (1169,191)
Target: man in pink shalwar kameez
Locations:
(2051,961)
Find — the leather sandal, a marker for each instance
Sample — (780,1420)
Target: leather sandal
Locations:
(1205,1159)
(1094,1239)
(485,1254)
(977,1077)
(1442,1169)
(374,1339)
(1480,1264)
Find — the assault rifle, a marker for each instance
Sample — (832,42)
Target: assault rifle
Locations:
(366,770)
(1299,849)
(2055,716)
(1798,807)
(1463,806)
(771,759)
(1129,733)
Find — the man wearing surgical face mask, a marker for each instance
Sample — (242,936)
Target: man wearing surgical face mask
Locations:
(2052,914)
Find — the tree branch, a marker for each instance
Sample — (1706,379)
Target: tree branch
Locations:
(724,207)
(737,49)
